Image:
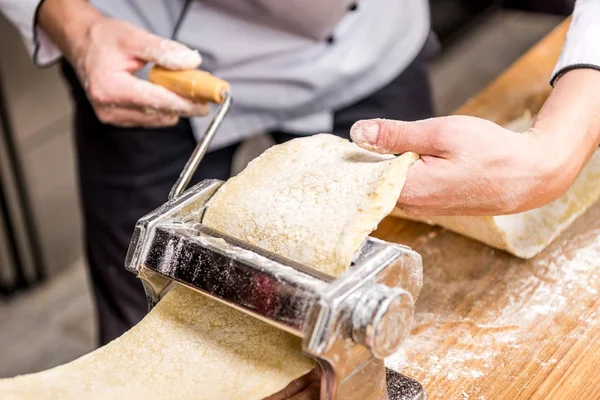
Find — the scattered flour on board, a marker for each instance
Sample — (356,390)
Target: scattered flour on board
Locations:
(534,294)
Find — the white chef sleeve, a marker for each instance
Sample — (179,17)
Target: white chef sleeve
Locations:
(23,14)
(582,48)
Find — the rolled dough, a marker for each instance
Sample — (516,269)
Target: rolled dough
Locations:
(325,198)
(527,234)
(314,200)
(188,347)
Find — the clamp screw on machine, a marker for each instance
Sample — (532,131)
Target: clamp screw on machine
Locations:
(348,325)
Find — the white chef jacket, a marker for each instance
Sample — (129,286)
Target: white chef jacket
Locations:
(291,62)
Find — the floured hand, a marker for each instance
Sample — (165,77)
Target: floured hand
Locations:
(105,53)
(468,166)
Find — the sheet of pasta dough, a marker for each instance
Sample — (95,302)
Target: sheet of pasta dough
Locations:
(527,234)
(323,196)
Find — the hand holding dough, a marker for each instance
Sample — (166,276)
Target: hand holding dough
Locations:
(468,166)
(528,233)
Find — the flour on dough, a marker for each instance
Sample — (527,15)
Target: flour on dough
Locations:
(528,233)
(314,200)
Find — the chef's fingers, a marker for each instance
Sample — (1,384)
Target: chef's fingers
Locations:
(435,186)
(128,91)
(127,118)
(310,393)
(428,136)
(298,385)
(166,53)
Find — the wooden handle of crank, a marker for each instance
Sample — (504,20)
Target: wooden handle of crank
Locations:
(190,83)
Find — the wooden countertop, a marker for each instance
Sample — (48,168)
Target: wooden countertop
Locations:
(489,325)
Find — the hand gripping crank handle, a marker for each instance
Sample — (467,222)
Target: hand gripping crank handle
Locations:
(199,86)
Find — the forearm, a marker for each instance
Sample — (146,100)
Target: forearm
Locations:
(569,125)
(67,23)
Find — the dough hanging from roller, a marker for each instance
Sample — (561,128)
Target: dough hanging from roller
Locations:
(187,347)
(528,233)
(313,200)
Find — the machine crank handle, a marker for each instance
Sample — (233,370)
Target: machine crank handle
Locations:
(193,84)
(199,86)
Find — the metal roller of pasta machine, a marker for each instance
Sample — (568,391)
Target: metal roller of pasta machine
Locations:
(348,325)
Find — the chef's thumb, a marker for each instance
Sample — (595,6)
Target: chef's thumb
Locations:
(164,52)
(395,137)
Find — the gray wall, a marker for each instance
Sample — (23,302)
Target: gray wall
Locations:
(40,112)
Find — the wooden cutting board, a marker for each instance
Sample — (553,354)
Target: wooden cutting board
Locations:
(489,325)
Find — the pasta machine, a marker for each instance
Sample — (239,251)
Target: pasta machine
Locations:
(348,325)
